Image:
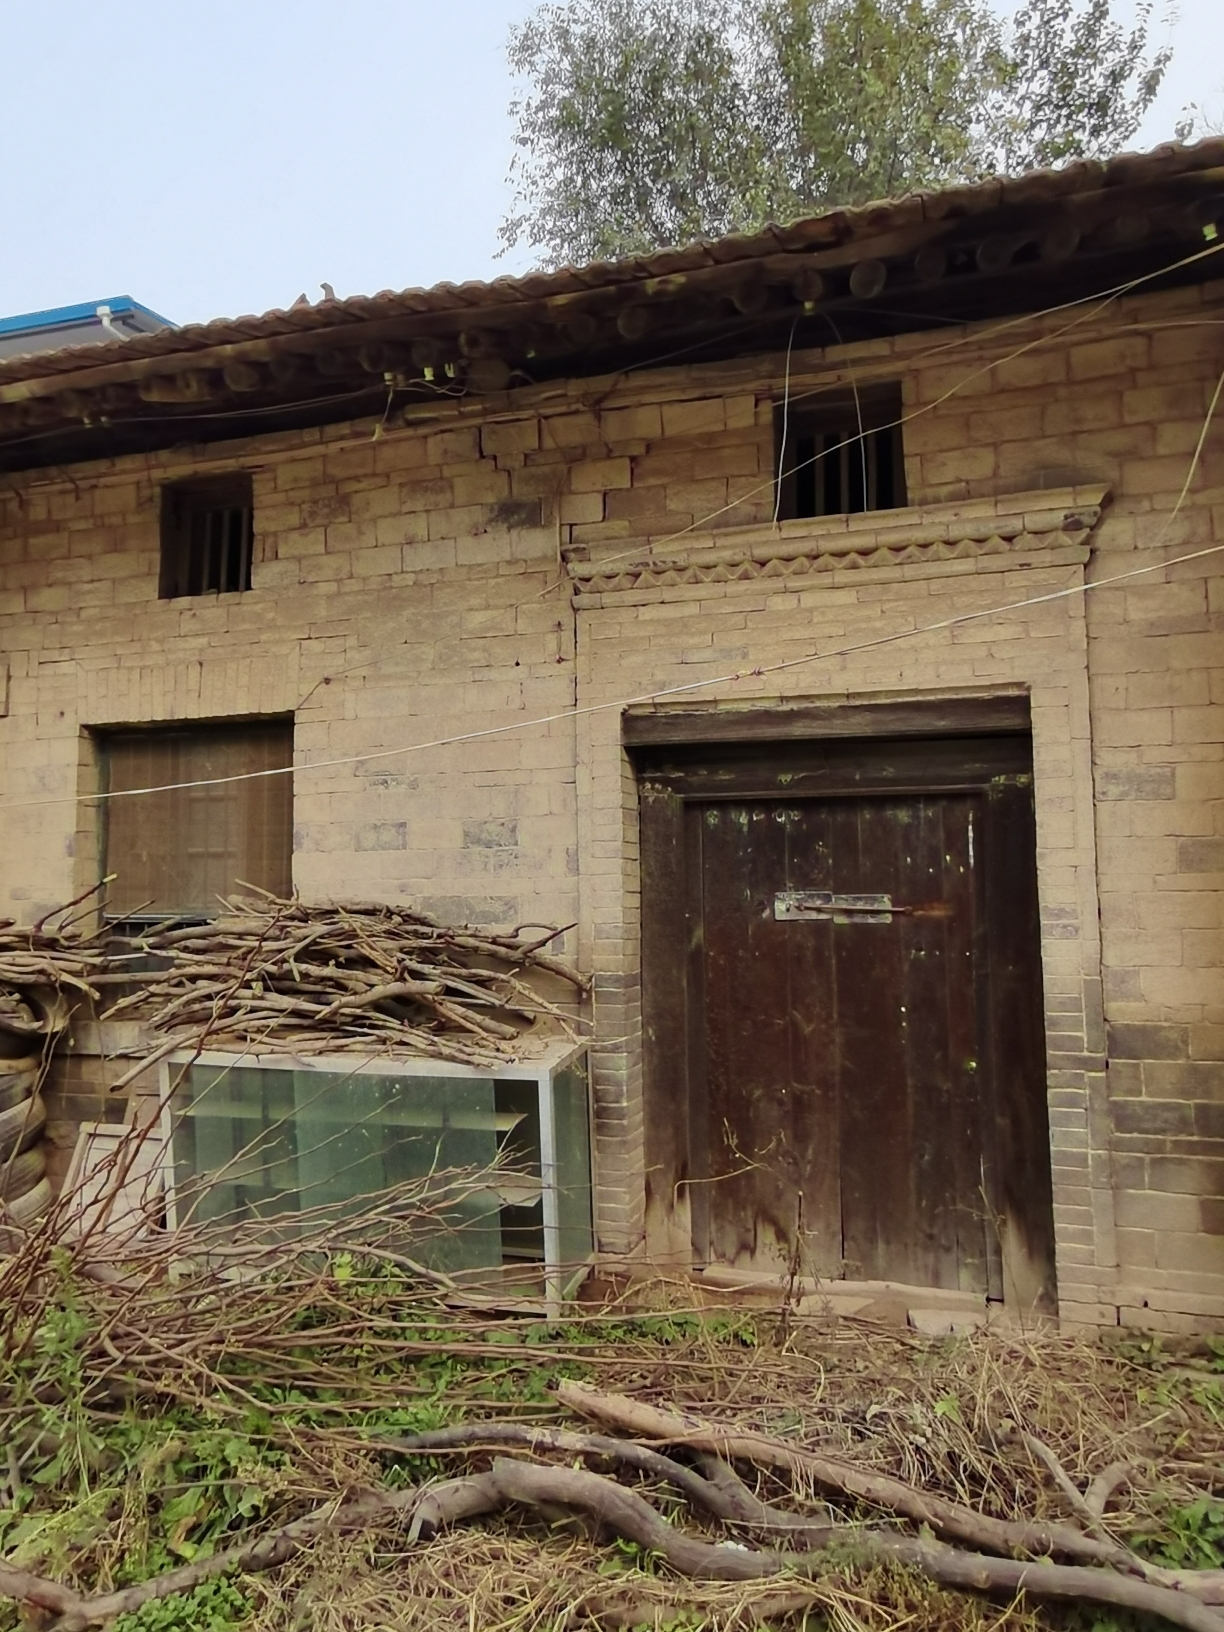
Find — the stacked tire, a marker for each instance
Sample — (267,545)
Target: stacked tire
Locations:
(25,1190)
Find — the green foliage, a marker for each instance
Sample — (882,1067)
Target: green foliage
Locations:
(112,1496)
(877,95)
(649,122)
(1075,83)
(1190,1538)
(638,129)
(1167,1381)
(214,1606)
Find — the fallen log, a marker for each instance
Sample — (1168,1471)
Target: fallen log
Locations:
(948,1519)
(880,1490)
(630,1516)
(719,1492)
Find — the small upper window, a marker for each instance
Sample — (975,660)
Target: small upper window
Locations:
(206,536)
(841,455)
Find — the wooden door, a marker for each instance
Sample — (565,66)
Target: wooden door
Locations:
(858,1090)
(839,1106)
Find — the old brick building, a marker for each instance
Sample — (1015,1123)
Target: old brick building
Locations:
(507,574)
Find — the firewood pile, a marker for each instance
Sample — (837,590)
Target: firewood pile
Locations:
(41,971)
(282,976)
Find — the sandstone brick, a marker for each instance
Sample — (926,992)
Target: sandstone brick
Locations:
(1100,358)
(484,486)
(577,430)
(510,436)
(1200,855)
(581,508)
(598,475)
(1190,1251)
(1139,782)
(694,418)
(1157,405)
(436,494)
(619,425)
(452,447)
(965,465)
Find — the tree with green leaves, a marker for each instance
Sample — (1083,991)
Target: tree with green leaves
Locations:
(651,122)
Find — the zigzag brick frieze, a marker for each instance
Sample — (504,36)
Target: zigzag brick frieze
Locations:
(1012,525)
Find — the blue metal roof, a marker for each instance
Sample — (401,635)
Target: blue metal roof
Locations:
(57,316)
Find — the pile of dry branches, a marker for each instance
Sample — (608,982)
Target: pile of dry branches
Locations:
(280,975)
(625,1468)
(948,1543)
(41,970)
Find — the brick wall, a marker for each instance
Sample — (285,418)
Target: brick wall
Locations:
(482,566)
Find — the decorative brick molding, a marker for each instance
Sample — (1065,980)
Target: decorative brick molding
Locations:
(1011,524)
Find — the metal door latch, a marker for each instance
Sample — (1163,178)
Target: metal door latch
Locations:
(790,906)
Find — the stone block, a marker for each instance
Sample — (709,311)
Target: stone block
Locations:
(453,447)
(510,436)
(381,836)
(499,833)
(620,425)
(598,475)
(1137,782)
(1187,1175)
(1153,1116)
(1148,1040)
(694,418)
(1200,855)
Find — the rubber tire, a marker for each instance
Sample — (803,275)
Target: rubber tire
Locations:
(28,1209)
(21,1174)
(21,1126)
(18,1084)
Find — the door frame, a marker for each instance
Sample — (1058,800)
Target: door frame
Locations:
(971,746)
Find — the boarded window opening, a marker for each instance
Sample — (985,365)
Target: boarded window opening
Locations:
(177,853)
(207,531)
(840,456)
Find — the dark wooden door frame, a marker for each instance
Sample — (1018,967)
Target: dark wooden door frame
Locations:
(995,764)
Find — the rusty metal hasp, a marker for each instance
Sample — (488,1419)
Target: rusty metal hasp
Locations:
(793,906)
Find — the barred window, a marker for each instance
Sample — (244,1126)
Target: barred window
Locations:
(840,455)
(206,537)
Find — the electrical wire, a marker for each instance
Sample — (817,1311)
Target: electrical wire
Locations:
(782,441)
(738,675)
(975,336)
(734,677)
(1107,299)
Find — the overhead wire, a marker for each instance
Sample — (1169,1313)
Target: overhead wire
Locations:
(733,677)
(783,440)
(974,336)
(737,676)
(1106,299)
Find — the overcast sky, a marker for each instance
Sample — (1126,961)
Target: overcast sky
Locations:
(218,157)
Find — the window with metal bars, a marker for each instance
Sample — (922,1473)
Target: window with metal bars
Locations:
(206,537)
(841,455)
(208,826)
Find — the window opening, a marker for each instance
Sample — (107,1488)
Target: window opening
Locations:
(842,457)
(207,532)
(177,853)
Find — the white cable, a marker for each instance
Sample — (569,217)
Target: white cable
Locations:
(573,713)
(785,424)
(627,702)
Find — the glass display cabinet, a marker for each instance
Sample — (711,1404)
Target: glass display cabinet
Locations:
(501,1155)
